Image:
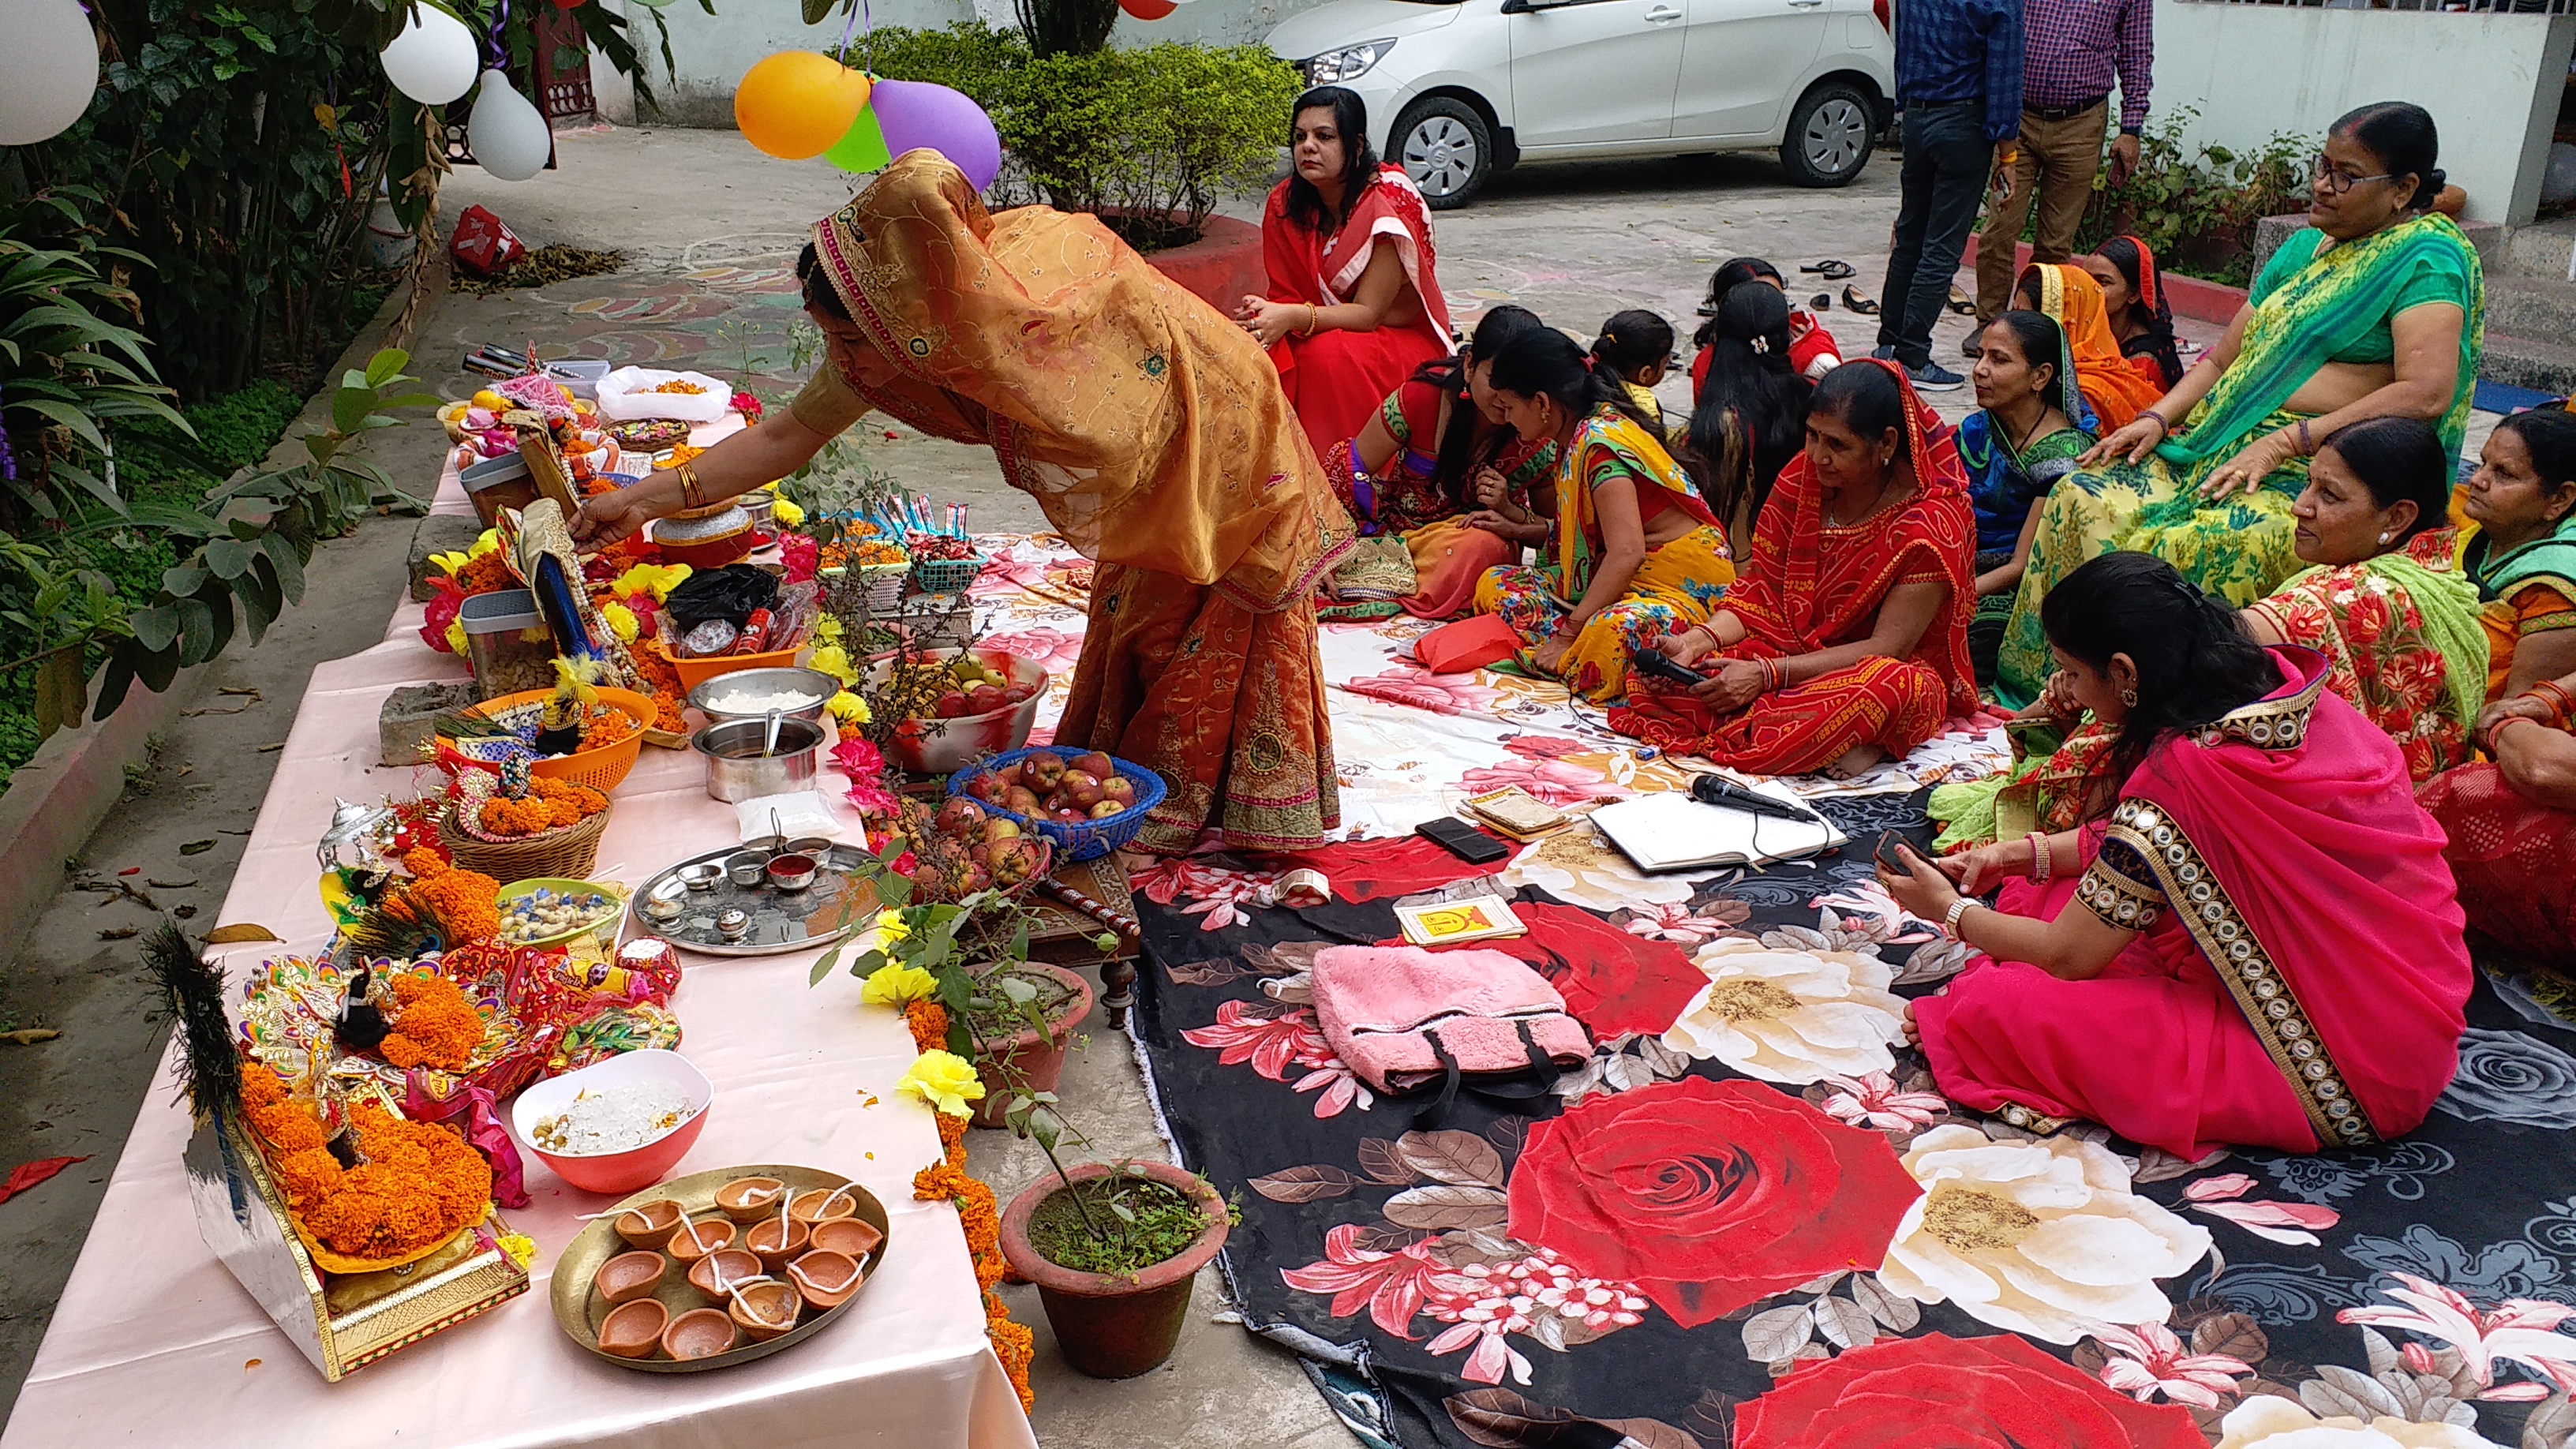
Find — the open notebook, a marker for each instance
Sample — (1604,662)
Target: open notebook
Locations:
(1672,831)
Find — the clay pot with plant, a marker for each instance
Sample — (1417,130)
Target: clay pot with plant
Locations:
(1021,1019)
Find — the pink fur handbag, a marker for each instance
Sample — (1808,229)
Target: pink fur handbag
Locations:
(1401,1018)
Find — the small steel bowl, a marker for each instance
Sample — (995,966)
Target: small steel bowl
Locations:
(747,867)
(733,924)
(663,908)
(792,872)
(817,846)
(702,876)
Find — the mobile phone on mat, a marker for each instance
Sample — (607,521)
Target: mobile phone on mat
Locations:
(1463,840)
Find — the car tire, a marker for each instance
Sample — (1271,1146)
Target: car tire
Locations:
(1831,130)
(1446,147)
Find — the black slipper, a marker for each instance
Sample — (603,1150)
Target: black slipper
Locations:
(1962,303)
(1821,302)
(1830,269)
(1858,303)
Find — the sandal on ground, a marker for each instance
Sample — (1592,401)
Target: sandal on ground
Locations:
(1853,300)
(1831,269)
(1821,302)
(1962,303)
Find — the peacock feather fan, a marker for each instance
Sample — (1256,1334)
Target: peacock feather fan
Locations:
(192,991)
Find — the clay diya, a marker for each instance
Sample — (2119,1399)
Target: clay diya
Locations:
(819,1206)
(698,1333)
(634,1329)
(749,1199)
(630,1275)
(713,1273)
(825,1278)
(649,1225)
(776,1240)
(850,1237)
(765,1310)
(694,1240)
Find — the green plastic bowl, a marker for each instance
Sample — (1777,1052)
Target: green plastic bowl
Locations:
(605,929)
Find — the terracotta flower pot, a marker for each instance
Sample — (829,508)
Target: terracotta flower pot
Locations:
(1028,1059)
(1112,1326)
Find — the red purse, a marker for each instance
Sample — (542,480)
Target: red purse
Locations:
(1467,644)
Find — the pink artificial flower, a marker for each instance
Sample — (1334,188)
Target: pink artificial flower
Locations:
(801,555)
(865,768)
(2280,1222)
(1392,1285)
(2148,1360)
(2520,1330)
(1873,1102)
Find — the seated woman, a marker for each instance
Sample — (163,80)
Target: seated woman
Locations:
(1846,643)
(1353,305)
(2374,311)
(2133,293)
(2512,827)
(1411,476)
(1751,418)
(1812,350)
(2521,549)
(2028,430)
(2258,944)
(2383,601)
(2067,295)
(1637,555)
(1637,348)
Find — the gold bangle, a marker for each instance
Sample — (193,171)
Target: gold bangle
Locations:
(1312,317)
(690,495)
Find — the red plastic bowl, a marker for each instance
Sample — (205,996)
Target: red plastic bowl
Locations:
(617,1172)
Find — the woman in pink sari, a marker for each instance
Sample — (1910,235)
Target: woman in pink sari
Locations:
(1353,305)
(2257,946)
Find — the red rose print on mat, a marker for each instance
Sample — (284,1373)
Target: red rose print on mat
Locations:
(1982,1393)
(1614,982)
(1707,1195)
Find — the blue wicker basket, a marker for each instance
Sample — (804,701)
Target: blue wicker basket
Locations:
(1091,839)
(946,575)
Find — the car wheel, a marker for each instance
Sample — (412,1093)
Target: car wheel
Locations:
(1829,136)
(1446,148)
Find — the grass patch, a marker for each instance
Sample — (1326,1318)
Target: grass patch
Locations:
(1142,1222)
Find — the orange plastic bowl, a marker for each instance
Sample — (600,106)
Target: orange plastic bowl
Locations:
(617,1172)
(694,672)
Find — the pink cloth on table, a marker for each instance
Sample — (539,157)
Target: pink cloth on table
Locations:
(2339,876)
(150,1337)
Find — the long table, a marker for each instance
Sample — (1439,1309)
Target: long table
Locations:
(153,1342)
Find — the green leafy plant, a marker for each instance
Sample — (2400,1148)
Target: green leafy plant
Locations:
(2198,208)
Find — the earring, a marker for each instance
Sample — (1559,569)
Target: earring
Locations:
(2383,537)
(2128,696)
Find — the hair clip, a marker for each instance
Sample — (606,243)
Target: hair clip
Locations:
(1760,343)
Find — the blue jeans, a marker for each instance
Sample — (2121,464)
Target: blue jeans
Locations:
(1947,161)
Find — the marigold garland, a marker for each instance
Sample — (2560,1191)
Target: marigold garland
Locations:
(550,805)
(417,1184)
(435,1026)
(464,904)
(486,573)
(977,1212)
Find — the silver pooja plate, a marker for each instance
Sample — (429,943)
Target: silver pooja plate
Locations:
(839,902)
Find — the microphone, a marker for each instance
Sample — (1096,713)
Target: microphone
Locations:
(1713,790)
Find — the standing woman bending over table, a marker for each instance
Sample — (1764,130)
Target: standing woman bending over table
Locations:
(1354,305)
(1636,555)
(1846,641)
(2258,946)
(2375,310)
(1150,430)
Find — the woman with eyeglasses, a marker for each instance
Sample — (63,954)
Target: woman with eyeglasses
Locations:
(2375,310)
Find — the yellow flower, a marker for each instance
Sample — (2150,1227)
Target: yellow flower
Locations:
(521,1248)
(834,660)
(451,564)
(944,1080)
(849,708)
(787,514)
(489,542)
(827,628)
(655,579)
(621,622)
(894,985)
(456,638)
(891,926)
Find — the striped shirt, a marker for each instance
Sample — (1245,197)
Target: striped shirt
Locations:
(2075,49)
(1954,51)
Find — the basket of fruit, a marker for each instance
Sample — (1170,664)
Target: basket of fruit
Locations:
(963,848)
(943,563)
(1087,806)
(949,711)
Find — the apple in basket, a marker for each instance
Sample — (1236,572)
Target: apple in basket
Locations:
(961,817)
(1021,800)
(1106,809)
(1043,771)
(1095,764)
(1119,791)
(987,786)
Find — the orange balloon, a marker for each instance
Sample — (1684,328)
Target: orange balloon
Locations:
(796,103)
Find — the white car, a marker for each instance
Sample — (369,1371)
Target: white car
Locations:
(1460,89)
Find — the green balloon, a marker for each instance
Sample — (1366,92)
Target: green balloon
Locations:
(862,147)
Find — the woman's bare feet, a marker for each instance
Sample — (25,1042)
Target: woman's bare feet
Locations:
(1857,760)
(1913,1033)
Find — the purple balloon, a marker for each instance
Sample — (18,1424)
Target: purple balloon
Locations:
(918,114)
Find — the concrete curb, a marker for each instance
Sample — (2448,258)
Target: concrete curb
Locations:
(54,801)
(2191,297)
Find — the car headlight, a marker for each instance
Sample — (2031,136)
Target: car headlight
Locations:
(1348,63)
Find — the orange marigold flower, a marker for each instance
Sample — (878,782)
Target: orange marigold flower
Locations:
(437,1026)
(952,1137)
(425,863)
(1014,1345)
(929,1023)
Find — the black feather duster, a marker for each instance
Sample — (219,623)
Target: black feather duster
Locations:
(192,990)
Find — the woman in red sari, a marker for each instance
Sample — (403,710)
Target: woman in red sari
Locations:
(1353,305)
(2256,946)
(2512,826)
(1845,642)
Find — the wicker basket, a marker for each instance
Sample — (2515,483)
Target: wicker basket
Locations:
(568,853)
(946,575)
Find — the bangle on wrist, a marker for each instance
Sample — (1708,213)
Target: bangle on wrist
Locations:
(2162,426)
(2307,446)
(2550,692)
(2040,864)
(691,496)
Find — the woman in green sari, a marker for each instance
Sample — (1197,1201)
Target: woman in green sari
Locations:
(2383,599)
(2376,310)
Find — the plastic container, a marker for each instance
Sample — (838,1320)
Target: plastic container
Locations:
(1089,839)
(507,643)
(694,672)
(498,483)
(580,375)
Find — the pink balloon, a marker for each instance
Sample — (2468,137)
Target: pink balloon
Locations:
(917,114)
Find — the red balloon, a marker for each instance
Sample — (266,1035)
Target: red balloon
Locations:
(1148,9)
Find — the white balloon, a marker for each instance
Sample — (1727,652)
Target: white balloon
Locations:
(48,69)
(433,60)
(507,135)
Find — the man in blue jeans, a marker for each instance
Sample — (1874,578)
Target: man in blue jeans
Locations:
(1958,81)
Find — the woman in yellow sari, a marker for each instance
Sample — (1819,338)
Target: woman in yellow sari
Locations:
(2376,310)
(1637,554)
(1153,433)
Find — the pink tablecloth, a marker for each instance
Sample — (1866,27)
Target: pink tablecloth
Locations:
(154,1343)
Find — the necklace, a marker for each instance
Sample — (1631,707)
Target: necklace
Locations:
(1888,497)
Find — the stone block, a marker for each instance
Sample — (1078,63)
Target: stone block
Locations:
(438,533)
(403,725)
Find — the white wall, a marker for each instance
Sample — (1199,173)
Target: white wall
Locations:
(2254,70)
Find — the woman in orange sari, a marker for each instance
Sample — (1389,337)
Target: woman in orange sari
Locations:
(1353,305)
(1150,430)
(2113,388)
(1845,642)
